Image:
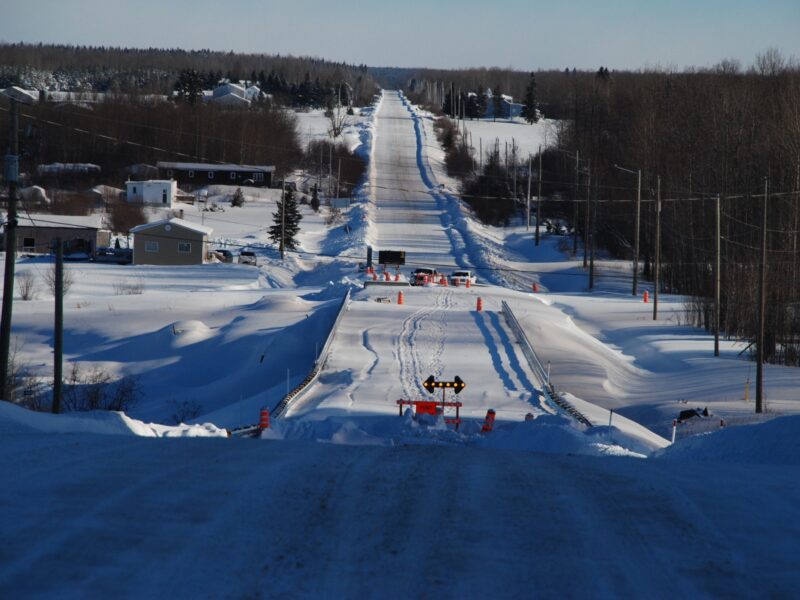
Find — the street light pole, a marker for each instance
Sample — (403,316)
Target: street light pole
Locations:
(658,249)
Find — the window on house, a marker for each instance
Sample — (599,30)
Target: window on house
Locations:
(233,175)
(184,247)
(163,196)
(211,174)
(134,189)
(151,246)
(169,173)
(191,174)
(258,177)
(28,244)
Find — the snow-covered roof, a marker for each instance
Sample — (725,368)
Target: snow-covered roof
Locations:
(21,95)
(54,168)
(160,181)
(46,220)
(185,166)
(174,221)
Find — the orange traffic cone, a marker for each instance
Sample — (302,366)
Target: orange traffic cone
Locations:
(397,276)
(488,422)
(374,276)
(535,287)
(400,297)
(479,304)
(469,282)
(263,423)
(646,297)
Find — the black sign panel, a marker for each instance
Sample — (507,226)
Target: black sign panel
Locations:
(391,257)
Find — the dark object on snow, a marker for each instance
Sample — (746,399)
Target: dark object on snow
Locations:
(691,413)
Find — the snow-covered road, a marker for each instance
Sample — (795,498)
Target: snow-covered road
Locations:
(406,217)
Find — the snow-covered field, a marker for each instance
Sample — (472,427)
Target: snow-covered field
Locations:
(344,496)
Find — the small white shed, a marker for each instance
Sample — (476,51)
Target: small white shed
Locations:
(153,192)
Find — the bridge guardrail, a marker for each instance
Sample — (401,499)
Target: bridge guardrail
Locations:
(319,364)
(555,400)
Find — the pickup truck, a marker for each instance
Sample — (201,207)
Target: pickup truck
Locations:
(460,277)
(418,275)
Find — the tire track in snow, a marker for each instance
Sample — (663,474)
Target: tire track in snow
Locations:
(422,330)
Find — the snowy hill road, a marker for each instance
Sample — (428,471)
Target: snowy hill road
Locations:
(406,217)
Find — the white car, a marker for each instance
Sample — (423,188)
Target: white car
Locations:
(461,277)
(247,257)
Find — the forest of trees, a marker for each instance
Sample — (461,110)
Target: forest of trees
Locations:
(717,131)
(129,70)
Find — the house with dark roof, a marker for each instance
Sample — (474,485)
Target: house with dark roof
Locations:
(201,174)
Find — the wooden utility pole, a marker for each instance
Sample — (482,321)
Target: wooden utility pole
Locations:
(539,198)
(658,249)
(593,232)
(11,175)
(528,224)
(717,275)
(575,204)
(283,218)
(338,177)
(762,303)
(58,337)
(586,214)
(636,232)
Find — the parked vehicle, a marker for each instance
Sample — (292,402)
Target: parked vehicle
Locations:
(223,255)
(120,256)
(461,277)
(246,257)
(418,276)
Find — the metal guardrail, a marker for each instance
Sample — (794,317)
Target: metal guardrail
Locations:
(555,400)
(319,364)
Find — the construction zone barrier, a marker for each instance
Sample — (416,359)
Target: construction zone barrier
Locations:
(555,400)
(488,422)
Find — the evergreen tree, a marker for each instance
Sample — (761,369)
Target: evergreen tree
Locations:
(497,102)
(314,203)
(529,113)
(287,220)
(238,197)
(189,86)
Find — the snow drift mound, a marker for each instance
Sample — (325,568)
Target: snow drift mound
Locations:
(775,442)
(15,420)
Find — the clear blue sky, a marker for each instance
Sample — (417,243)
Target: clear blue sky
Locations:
(524,34)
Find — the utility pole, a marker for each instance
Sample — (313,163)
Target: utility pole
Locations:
(58,337)
(283,218)
(592,233)
(528,225)
(658,248)
(717,276)
(338,177)
(762,304)
(330,171)
(11,175)
(539,197)
(575,204)
(636,232)
(586,215)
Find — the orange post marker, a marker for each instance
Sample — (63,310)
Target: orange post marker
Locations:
(263,422)
(479,304)
(374,276)
(535,287)
(646,297)
(386,276)
(469,282)
(488,422)
(397,276)
(400,298)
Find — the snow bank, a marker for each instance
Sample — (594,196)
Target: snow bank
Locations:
(776,442)
(15,419)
